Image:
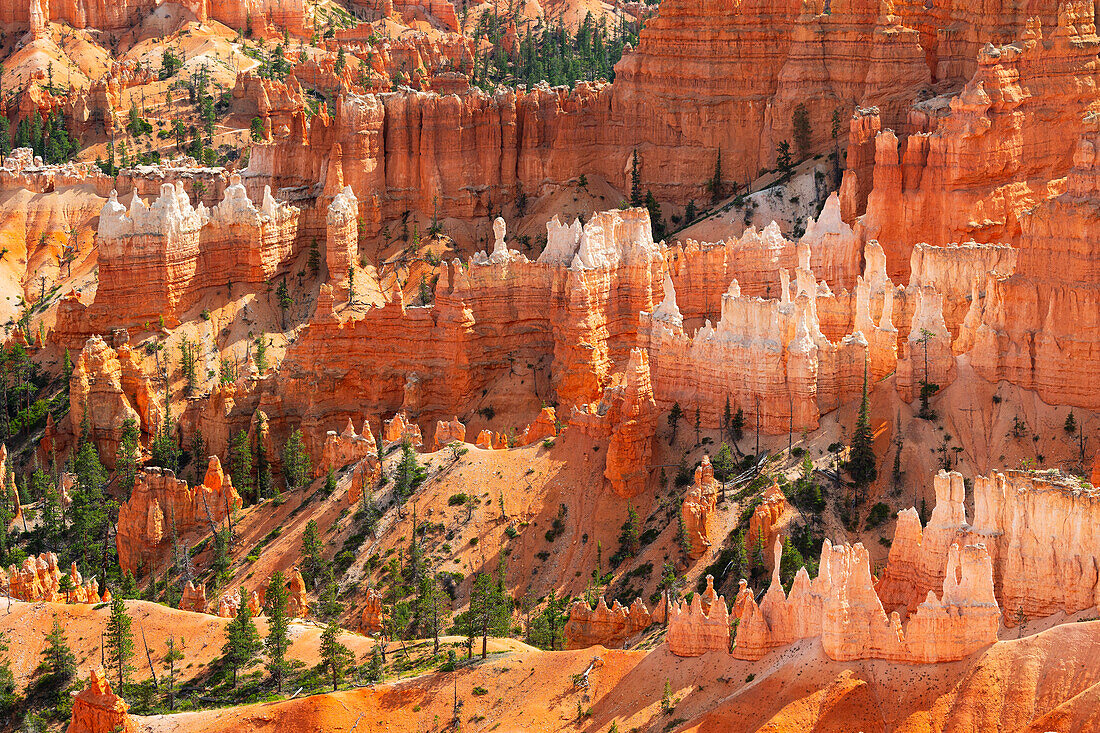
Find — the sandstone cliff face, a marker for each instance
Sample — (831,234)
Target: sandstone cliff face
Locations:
(573,316)
(608,627)
(159,502)
(156,260)
(698,509)
(1038,531)
(1009,132)
(693,631)
(447,432)
(97,709)
(1038,328)
(193,599)
(346,448)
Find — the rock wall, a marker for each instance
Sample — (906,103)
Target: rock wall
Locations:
(608,627)
(841,607)
(1040,327)
(632,417)
(698,627)
(1011,130)
(1040,532)
(157,260)
(346,448)
(161,504)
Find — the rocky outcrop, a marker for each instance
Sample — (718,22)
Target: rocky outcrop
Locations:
(399,429)
(297,605)
(1038,328)
(157,260)
(1039,529)
(346,448)
(632,417)
(545,425)
(229,605)
(40,579)
(1011,130)
(97,709)
(841,607)
(766,520)
(370,621)
(447,432)
(608,627)
(161,505)
(107,388)
(193,599)
(698,510)
(693,632)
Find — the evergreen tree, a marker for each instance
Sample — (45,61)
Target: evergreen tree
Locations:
(242,642)
(1070,425)
(783,156)
(260,357)
(724,464)
(409,473)
(312,560)
(57,657)
(737,426)
(7,678)
(90,510)
(655,220)
(296,463)
(119,642)
(629,542)
(282,294)
(171,656)
(329,607)
(375,664)
(127,457)
(278,629)
(690,214)
(430,608)
(335,655)
(635,181)
(861,456)
(800,123)
(490,610)
(240,463)
(548,627)
(164,452)
(714,185)
(314,258)
(674,416)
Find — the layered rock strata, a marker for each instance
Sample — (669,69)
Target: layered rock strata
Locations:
(97,709)
(698,510)
(160,504)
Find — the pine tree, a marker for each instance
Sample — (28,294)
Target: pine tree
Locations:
(635,182)
(800,123)
(7,678)
(490,611)
(127,457)
(861,456)
(409,473)
(737,426)
(57,657)
(655,220)
(1070,425)
(629,542)
(260,356)
(783,156)
(314,263)
(714,185)
(311,552)
(171,656)
(240,462)
(690,213)
(335,655)
(430,608)
(278,629)
(119,642)
(674,416)
(242,642)
(296,463)
(375,664)
(329,606)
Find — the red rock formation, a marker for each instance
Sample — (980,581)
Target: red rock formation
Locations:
(491,441)
(193,599)
(160,502)
(765,520)
(346,448)
(693,632)
(1009,132)
(1038,528)
(39,579)
(371,618)
(97,709)
(544,426)
(698,509)
(632,416)
(399,429)
(447,432)
(297,604)
(608,627)
(1039,327)
(108,387)
(841,607)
